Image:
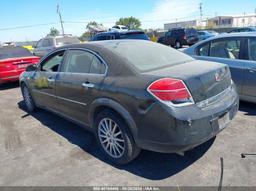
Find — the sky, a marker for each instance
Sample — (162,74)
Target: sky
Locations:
(77,13)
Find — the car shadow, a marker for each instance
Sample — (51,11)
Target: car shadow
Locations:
(149,165)
(248,108)
(7,86)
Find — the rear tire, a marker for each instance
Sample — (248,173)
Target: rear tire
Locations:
(28,100)
(114,138)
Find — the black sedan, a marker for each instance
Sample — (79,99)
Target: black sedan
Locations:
(133,95)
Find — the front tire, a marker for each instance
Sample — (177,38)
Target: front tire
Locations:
(114,138)
(28,100)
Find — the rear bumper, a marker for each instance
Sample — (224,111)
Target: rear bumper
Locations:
(188,129)
(10,76)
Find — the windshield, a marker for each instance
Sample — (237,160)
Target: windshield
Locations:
(14,52)
(146,55)
(67,40)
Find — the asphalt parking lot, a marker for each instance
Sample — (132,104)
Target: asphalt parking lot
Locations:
(42,149)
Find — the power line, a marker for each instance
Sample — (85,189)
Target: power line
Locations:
(27,26)
(85,22)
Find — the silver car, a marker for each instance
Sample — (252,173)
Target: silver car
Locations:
(238,51)
(49,43)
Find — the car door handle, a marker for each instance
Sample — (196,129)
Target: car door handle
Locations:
(50,79)
(88,85)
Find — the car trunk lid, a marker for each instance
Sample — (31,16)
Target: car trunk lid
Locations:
(203,79)
(18,63)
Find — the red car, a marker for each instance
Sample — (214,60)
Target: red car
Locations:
(13,61)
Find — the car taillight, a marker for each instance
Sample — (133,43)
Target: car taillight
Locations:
(171,91)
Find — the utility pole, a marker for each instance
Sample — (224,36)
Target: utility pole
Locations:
(201,12)
(61,22)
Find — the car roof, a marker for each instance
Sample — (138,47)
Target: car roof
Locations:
(226,35)
(220,36)
(120,32)
(59,36)
(102,43)
(103,50)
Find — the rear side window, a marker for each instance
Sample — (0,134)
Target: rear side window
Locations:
(97,66)
(14,52)
(252,49)
(80,61)
(225,49)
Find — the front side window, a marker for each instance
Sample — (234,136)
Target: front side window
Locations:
(81,61)
(52,64)
(204,50)
(252,49)
(225,49)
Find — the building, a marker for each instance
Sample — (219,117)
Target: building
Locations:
(183,24)
(233,21)
(230,21)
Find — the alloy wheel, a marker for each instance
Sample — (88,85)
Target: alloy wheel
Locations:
(111,138)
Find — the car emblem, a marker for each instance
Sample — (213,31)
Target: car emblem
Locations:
(217,77)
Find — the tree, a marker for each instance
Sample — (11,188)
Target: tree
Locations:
(90,32)
(54,32)
(130,22)
(85,36)
(92,23)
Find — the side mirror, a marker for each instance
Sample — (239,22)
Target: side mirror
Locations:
(31,68)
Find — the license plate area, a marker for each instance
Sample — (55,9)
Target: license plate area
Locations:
(223,121)
(22,65)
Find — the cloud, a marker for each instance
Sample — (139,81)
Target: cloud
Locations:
(165,11)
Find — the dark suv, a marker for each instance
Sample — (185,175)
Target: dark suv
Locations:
(112,35)
(179,36)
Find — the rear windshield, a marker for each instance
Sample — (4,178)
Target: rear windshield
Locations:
(67,40)
(135,35)
(14,52)
(147,56)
